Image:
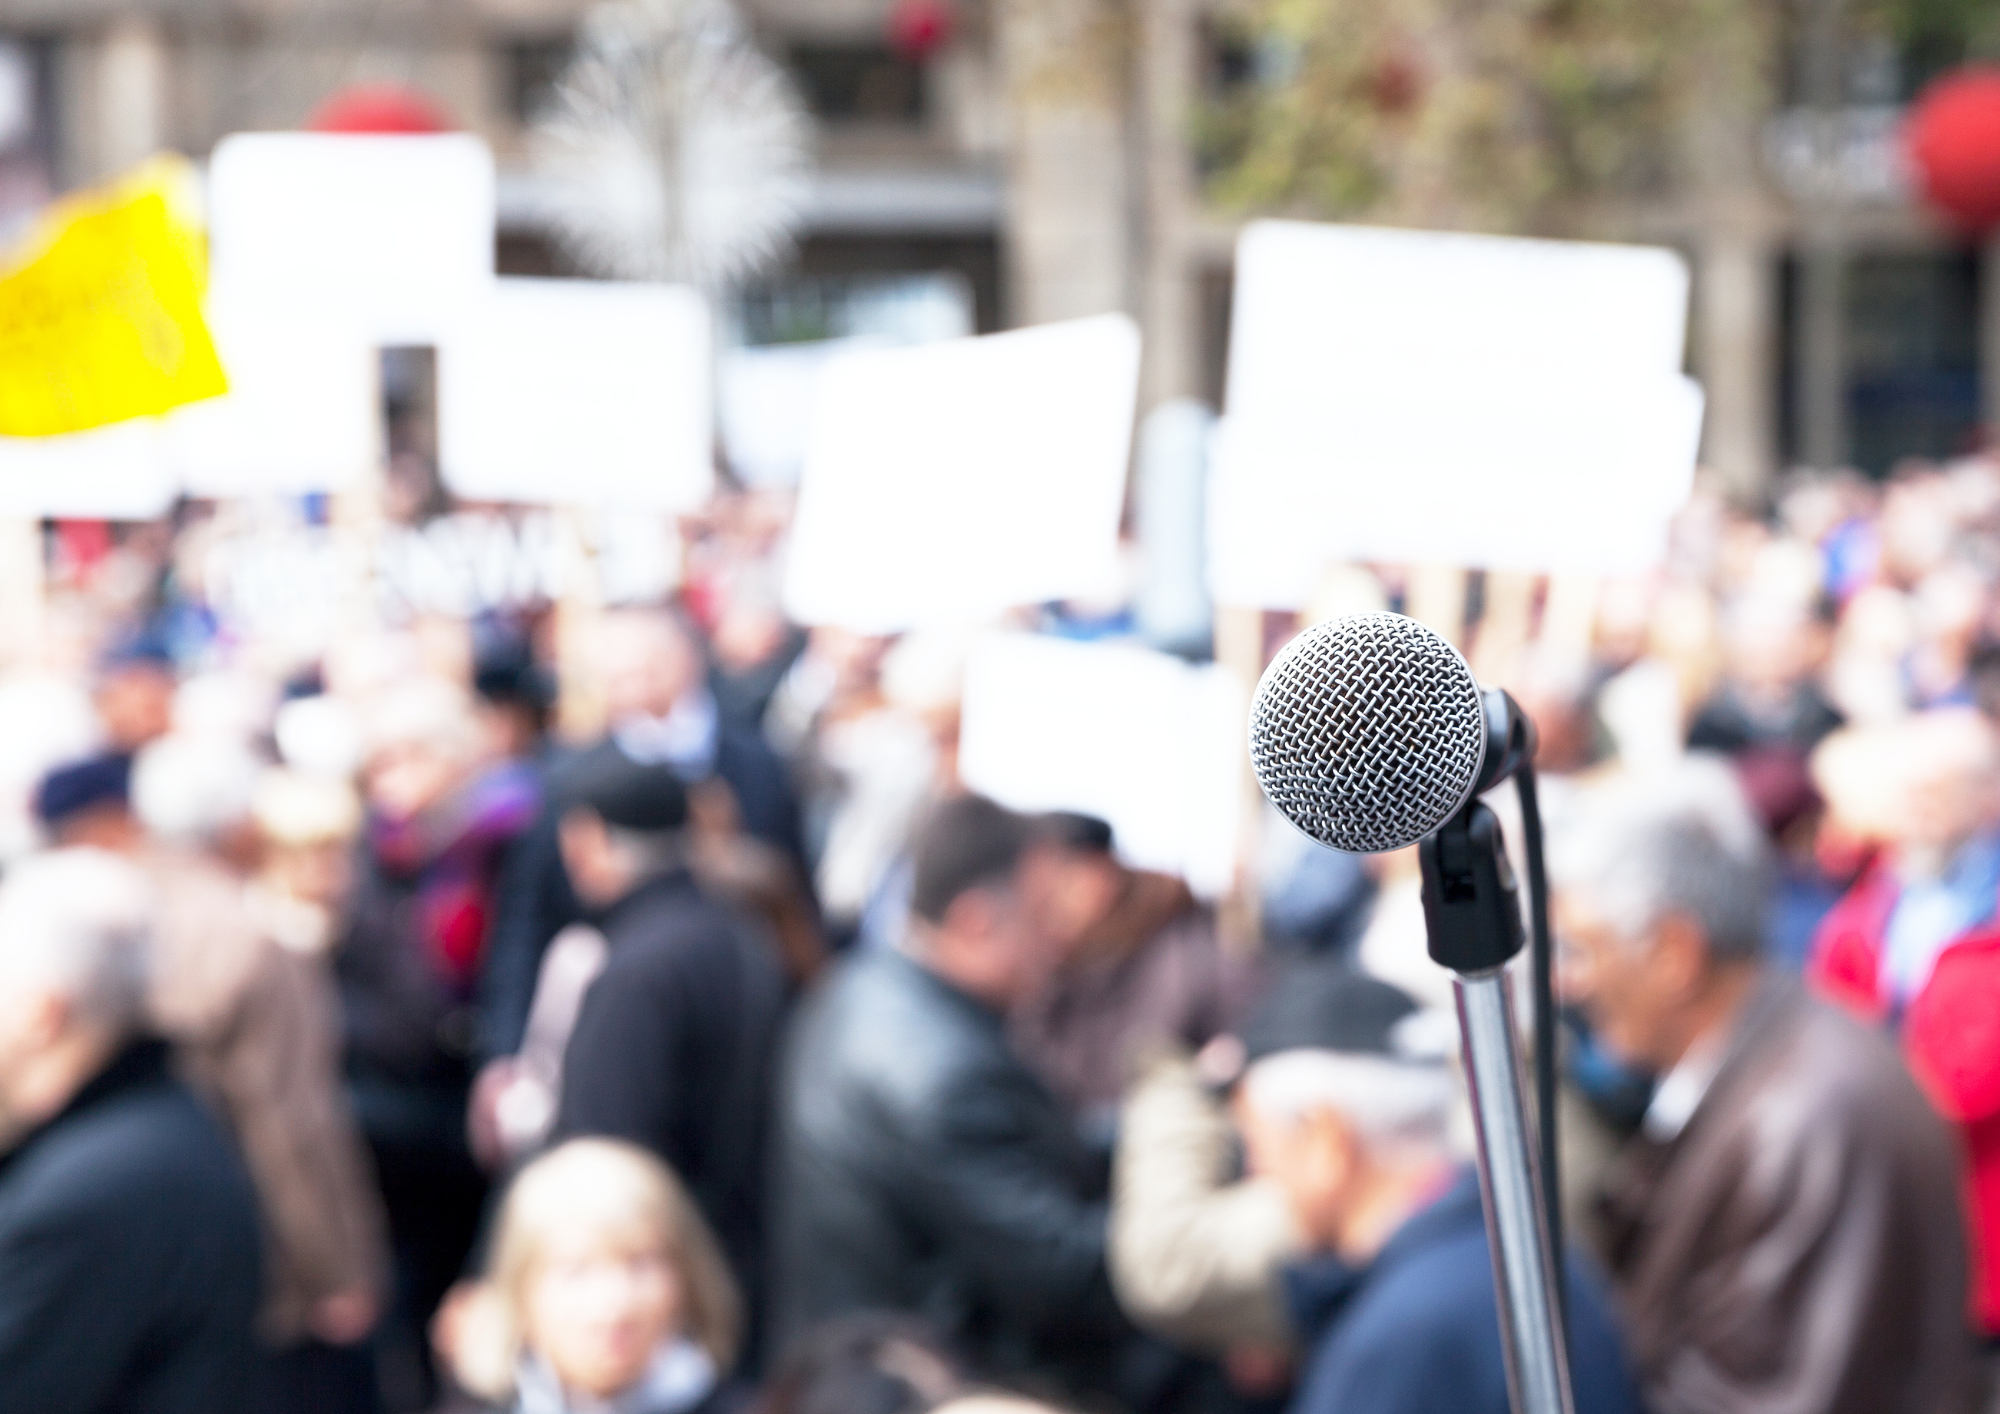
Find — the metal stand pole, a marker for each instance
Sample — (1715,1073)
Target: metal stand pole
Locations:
(1472,912)
(1531,1319)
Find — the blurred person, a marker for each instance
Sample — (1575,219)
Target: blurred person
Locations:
(128,1229)
(1559,695)
(922,1167)
(1949,608)
(605,1292)
(1346,1108)
(661,712)
(1773,648)
(1778,785)
(1915,524)
(255,1025)
(134,693)
(1197,1248)
(860,720)
(49,722)
(1140,969)
(1982,673)
(306,826)
(751,648)
(997,1402)
(1866,678)
(675,1037)
(1315,901)
(1915,945)
(88,802)
(1784,1228)
(873,1363)
(408,959)
(514,696)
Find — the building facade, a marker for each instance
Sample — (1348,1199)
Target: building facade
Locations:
(1041,152)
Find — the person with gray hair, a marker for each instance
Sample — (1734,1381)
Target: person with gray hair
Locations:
(1784,1230)
(1347,1107)
(256,1027)
(129,1261)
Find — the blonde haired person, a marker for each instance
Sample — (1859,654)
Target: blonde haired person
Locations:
(605,1293)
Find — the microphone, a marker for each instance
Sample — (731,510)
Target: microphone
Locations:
(1369,731)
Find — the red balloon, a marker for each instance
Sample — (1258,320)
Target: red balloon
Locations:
(377,108)
(919,28)
(1953,137)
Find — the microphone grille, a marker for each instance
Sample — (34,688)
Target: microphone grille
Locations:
(1367,732)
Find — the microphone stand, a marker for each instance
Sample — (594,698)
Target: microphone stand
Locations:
(1472,913)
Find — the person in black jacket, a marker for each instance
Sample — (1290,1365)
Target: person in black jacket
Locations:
(662,712)
(129,1262)
(673,1044)
(923,1168)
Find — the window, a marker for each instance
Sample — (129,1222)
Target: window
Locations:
(859,83)
(533,67)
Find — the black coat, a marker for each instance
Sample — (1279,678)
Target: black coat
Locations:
(922,1168)
(129,1274)
(534,898)
(673,1049)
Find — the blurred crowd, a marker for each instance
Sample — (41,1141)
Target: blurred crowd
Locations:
(625,1007)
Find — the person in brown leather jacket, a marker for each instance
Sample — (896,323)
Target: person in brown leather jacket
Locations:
(1785,1228)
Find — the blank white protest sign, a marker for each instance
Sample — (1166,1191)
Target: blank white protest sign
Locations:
(302,412)
(947,482)
(1443,398)
(116,472)
(1142,739)
(392,233)
(579,392)
(325,247)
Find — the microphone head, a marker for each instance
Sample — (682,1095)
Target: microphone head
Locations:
(1368,732)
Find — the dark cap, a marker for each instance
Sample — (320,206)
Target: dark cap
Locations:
(504,669)
(83,785)
(144,647)
(1327,1006)
(1076,832)
(627,794)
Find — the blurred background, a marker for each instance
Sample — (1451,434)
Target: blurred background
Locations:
(1005,162)
(746,426)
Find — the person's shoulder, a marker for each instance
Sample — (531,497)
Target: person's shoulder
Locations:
(1422,1335)
(1821,1093)
(730,1396)
(683,930)
(885,1025)
(738,745)
(1840,1070)
(131,1161)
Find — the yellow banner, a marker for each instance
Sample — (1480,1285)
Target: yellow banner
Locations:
(100,317)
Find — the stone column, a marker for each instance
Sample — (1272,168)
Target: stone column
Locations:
(1736,300)
(1169,295)
(131,94)
(1067,233)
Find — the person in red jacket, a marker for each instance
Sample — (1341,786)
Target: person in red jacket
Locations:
(1915,944)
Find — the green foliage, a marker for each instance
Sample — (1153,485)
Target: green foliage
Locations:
(1495,114)
(1935,35)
